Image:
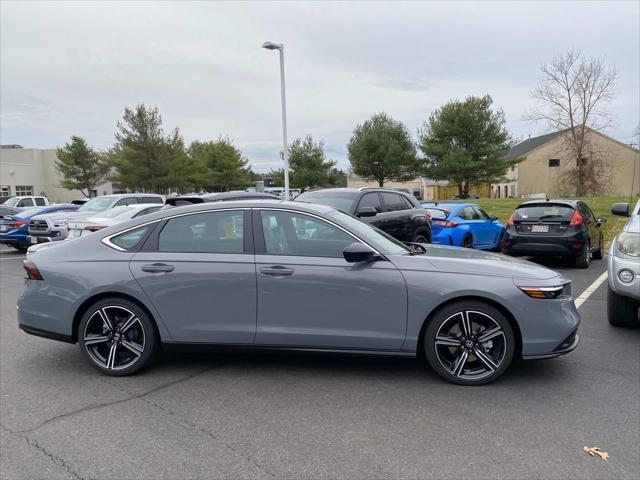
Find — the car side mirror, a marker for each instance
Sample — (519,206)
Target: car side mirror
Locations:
(601,220)
(358,252)
(367,212)
(621,209)
(493,218)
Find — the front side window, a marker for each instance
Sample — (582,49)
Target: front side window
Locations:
(392,202)
(209,232)
(371,200)
(131,239)
(126,201)
(467,213)
(25,202)
(301,235)
(480,214)
(24,190)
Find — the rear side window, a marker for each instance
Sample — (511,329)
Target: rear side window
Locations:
(126,201)
(151,200)
(40,202)
(131,240)
(210,232)
(393,202)
(371,200)
(407,203)
(541,212)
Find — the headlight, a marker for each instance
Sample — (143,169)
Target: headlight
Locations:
(543,292)
(629,244)
(60,223)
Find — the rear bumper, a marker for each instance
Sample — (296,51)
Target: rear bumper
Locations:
(46,334)
(515,244)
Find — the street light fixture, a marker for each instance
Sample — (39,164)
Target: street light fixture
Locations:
(280,47)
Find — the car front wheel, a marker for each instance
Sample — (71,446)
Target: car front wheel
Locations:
(117,337)
(469,343)
(621,311)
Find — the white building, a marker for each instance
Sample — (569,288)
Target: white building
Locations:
(32,171)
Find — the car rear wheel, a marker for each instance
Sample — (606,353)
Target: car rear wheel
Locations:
(467,241)
(469,343)
(421,237)
(117,337)
(584,258)
(621,311)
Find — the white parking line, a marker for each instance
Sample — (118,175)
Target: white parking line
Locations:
(12,258)
(590,289)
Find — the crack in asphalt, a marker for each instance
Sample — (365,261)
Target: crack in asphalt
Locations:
(57,460)
(132,396)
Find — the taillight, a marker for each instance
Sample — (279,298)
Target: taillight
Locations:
(16,224)
(95,228)
(32,271)
(444,223)
(510,221)
(576,220)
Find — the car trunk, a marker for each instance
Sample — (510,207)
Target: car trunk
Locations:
(543,219)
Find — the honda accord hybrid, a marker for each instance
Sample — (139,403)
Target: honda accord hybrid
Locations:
(276,275)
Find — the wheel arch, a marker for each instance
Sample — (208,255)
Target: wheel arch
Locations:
(84,306)
(504,310)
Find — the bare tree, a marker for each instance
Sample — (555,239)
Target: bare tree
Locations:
(573,95)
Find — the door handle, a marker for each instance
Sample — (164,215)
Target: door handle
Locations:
(158,268)
(276,271)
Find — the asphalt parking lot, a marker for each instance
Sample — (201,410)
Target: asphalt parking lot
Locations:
(308,416)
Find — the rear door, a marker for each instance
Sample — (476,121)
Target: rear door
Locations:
(199,273)
(397,216)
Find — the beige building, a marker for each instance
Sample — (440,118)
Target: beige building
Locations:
(548,161)
(32,171)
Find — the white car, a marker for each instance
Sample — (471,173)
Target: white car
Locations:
(81,227)
(24,202)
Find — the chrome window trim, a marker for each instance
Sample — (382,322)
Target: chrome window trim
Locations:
(107,240)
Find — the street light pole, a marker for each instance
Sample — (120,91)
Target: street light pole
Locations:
(280,47)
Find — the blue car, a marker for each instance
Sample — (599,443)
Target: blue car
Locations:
(14,229)
(464,225)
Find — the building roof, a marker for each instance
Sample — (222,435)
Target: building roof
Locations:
(522,148)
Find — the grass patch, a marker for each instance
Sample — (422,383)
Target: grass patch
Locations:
(600,206)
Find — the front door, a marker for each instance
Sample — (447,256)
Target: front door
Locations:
(200,276)
(309,295)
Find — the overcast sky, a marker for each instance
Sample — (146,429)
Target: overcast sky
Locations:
(70,69)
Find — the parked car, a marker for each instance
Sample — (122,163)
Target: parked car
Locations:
(14,229)
(564,228)
(457,196)
(53,227)
(113,216)
(218,197)
(396,213)
(24,202)
(5,211)
(464,225)
(291,275)
(623,267)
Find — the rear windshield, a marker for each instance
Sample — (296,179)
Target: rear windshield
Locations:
(341,201)
(538,212)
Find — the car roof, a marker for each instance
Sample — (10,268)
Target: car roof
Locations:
(448,204)
(120,195)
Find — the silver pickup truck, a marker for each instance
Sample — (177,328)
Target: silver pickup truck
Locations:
(623,264)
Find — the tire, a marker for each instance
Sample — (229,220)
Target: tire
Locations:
(621,311)
(597,254)
(452,353)
(122,345)
(467,241)
(583,260)
(421,236)
(22,249)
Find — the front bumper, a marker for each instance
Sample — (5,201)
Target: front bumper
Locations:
(567,346)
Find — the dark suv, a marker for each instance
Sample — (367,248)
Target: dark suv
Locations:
(555,228)
(397,213)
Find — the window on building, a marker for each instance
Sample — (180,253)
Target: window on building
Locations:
(513,168)
(554,162)
(24,190)
(5,191)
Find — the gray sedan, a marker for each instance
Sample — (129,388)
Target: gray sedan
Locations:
(277,275)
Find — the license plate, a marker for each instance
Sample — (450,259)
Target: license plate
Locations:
(3,228)
(539,228)
(33,240)
(75,233)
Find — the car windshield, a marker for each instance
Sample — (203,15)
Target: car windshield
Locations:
(97,204)
(116,212)
(437,212)
(377,238)
(535,212)
(28,213)
(342,201)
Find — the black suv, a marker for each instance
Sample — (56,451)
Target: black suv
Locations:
(555,228)
(397,213)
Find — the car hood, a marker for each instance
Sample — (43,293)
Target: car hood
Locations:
(474,262)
